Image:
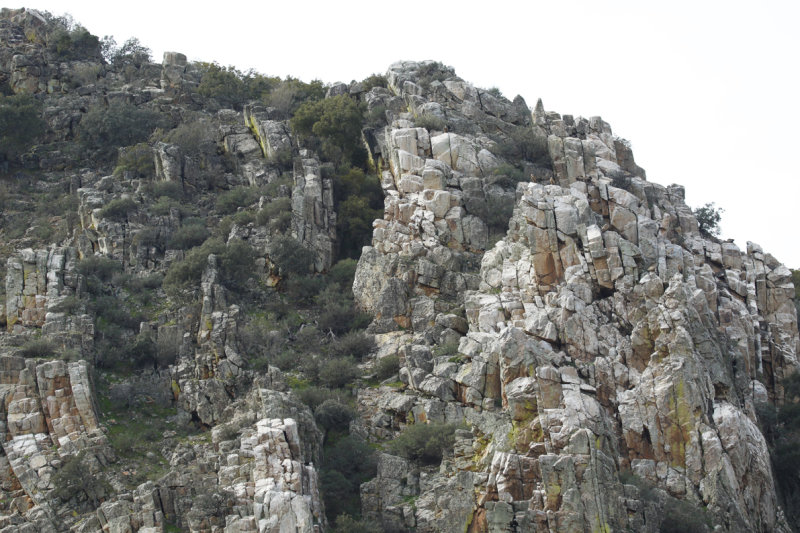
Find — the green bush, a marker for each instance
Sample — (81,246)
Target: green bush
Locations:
(338,372)
(354,343)
(332,414)
(191,137)
(290,256)
(347,524)
(77,479)
(277,214)
(117,209)
(76,43)
(120,124)
(98,267)
(21,124)
(169,189)
(291,93)
(336,121)
(359,201)
(314,396)
(43,348)
(386,367)
(235,262)
(524,144)
(136,159)
(187,237)
(132,52)
(229,201)
(232,88)
(683,517)
(429,122)
(345,466)
(374,80)
(424,443)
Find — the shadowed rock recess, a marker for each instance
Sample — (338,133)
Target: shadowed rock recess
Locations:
(590,360)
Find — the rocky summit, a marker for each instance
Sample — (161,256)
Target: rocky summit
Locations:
(238,303)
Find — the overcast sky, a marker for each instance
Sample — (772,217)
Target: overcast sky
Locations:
(706,91)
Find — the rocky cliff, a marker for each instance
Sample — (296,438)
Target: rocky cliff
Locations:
(175,358)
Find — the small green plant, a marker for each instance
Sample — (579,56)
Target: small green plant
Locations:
(424,443)
(137,161)
(229,201)
(118,209)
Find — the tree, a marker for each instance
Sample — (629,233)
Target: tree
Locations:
(708,218)
(336,122)
(20,125)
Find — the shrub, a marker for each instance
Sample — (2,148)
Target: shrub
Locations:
(117,209)
(235,262)
(508,176)
(120,124)
(132,52)
(431,71)
(230,201)
(332,414)
(424,443)
(343,272)
(98,267)
(21,124)
(429,122)
(136,159)
(374,80)
(187,237)
(168,189)
(290,256)
(191,137)
(338,372)
(683,517)
(524,144)
(345,466)
(386,367)
(43,348)
(355,343)
(76,43)
(708,219)
(232,88)
(77,479)
(277,214)
(291,93)
(347,524)
(336,121)
(314,396)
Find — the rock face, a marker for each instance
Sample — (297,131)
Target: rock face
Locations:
(605,335)
(601,359)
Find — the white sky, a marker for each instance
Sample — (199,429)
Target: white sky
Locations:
(705,90)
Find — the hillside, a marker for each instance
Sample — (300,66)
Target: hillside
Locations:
(241,303)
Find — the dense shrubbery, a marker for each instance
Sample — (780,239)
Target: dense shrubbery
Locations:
(359,201)
(74,43)
(117,209)
(234,260)
(43,348)
(229,201)
(21,124)
(77,478)
(188,236)
(277,214)
(523,144)
(345,466)
(429,122)
(291,93)
(336,122)
(137,160)
(781,428)
(120,124)
(232,88)
(424,443)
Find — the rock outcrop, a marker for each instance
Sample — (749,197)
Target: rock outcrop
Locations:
(606,334)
